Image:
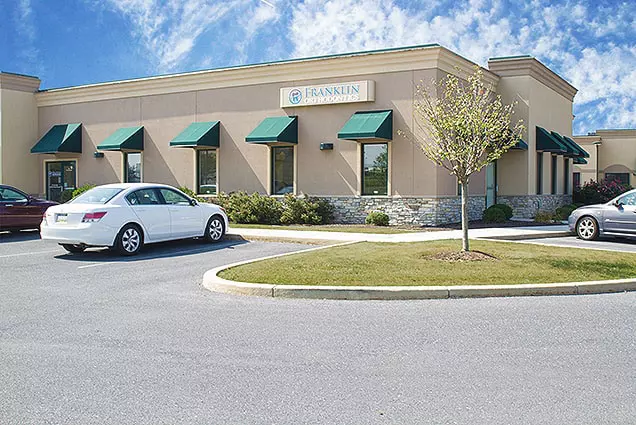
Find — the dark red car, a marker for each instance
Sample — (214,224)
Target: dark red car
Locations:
(19,210)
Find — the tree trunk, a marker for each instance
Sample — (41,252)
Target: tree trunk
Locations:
(465,217)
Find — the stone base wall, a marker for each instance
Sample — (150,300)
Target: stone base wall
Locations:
(527,206)
(406,211)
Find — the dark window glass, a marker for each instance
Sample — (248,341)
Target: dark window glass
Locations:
(144,197)
(566,175)
(206,169)
(623,178)
(174,198)
(539,173)
(375,169)
(9,195)
(553,175)
(132,167)
(576,179)
(282,170)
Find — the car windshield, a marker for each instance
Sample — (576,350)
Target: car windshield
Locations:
(97,195)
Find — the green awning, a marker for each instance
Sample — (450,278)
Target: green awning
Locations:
(275,130)
(124,139)
(520,145)
(580,161)
(368,125)
(571,151)
(582,152)
(65,138)
(198,134)
(546,142)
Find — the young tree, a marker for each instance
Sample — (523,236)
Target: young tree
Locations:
(466,127)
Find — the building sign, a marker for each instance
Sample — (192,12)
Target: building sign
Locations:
(328,94)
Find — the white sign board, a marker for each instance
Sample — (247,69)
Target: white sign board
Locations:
(328,94)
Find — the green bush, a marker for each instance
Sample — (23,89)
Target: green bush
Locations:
(192,194)
(377,218)
(262,209)
(544,217)
(493,214)
(302,210)
(563,212)
(507,209)
(77,192)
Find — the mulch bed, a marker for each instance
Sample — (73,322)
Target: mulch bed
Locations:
(462,256)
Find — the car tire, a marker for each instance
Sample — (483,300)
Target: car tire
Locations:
(129,240)
(587,228)
(214,229)
(73,249)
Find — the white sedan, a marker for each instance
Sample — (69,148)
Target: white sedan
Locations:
(126,216)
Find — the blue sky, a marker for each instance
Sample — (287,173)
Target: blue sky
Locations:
(592,44)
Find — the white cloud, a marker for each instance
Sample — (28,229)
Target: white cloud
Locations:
(570,37)
(25,28)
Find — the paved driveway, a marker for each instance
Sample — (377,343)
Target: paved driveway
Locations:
(97,339)
(608,244)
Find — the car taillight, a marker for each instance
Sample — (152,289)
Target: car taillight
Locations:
(93,217)
(222,209)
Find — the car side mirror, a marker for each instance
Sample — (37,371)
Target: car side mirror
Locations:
(618,204)
(193,202)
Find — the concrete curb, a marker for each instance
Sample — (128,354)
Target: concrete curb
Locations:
(524,237)
(214,283)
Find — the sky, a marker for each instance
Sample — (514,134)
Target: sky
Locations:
(592,44)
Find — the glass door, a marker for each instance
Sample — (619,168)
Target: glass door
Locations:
(491,184)
(60,176)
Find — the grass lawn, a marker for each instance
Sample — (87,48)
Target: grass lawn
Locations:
(362,228)
(412,264)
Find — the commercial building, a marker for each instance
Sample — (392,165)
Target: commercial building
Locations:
(612,156)
(324,126)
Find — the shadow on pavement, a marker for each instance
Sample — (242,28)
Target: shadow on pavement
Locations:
(152,251)
(19,236)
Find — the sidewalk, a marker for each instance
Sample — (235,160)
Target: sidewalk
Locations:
(522,232)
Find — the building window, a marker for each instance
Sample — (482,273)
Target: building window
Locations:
(566,175)
(375,169)
(282,170)
(206,172)
(539,173)
(553,175)
(622,178)
(132,167)
(576,179)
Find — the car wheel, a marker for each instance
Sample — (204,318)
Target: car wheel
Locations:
(74,249)
(587,228)
(215,229)
(129,240)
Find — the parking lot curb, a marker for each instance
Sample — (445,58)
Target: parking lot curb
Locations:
(214,283)
(545,235)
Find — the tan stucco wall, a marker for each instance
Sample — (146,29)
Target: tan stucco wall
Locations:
(18,134)
(616,154)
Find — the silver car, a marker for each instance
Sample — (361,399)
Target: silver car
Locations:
(615,218)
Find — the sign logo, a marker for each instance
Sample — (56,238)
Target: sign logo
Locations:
(295,96)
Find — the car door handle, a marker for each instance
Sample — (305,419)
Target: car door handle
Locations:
(8,205)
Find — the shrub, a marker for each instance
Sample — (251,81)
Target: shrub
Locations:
(377,218)
(544,217)
(302,210)
(593,192)
(191,193)
(507,209)
(563,212)
(493,214)
(77,192)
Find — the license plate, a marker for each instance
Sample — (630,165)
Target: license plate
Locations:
(61,218)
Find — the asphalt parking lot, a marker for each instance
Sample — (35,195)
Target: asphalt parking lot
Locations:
(96,338)
(606,244)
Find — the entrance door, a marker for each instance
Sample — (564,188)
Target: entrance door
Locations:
(60,176)
(491,184)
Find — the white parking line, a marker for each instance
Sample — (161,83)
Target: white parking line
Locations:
(28,253)
(94,265)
